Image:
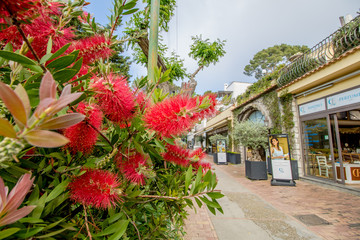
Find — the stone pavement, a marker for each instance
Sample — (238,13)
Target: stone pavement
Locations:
(261,211)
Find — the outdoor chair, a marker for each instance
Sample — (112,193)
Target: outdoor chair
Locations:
(323,166)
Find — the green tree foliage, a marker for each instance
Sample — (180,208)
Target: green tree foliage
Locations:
(252,135)
(267,59)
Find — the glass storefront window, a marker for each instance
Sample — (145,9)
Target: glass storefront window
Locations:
(317,148)
(257,116)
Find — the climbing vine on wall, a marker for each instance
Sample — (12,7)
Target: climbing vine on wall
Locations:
(288,115)
(271,102)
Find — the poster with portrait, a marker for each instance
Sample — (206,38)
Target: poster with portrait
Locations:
(280,156)
(221,151)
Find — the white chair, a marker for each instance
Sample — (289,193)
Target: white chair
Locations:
(323,166)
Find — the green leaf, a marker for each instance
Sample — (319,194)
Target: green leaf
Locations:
(215,195)
(188,176)
(49,46)
(130,11)
(46,139)
(59,189)
(31,220)
(8,232)
(17,58)
(52,233)
(121,230)
(213,204)
(65,75)
(60,51)
(36,213)
(26,233)
(199,203)
(45,58)
(61,62)
(13,103)
(6,129)
(130,5)
(116,227)
(212,210)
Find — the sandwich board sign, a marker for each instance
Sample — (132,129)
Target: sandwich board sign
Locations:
(280,160)
(221,151)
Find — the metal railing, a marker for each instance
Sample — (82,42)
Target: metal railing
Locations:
(331,47)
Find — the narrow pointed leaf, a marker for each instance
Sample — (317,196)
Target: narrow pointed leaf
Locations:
(6,129)
(64,101)
(21,92)
(13,103)
(66,91)
(13,216)
(8,232)
(61,62)
(46,139)
(63,121)
(60,51)
(16,57)
(47,87)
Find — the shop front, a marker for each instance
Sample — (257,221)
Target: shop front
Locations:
(330,132)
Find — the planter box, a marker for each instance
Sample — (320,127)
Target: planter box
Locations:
(256,170)
(233,158)
(215,158)
(294,168)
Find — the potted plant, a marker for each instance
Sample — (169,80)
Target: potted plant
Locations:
(253,135)
(233,157)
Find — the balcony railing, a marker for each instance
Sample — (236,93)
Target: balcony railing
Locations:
(331,47)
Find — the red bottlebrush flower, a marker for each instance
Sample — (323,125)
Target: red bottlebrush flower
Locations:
(40,30)
(21,9)
(173,116)
(133,167)
(206,166)
(82,136)
(210,110)
(115,98)
(197,154)
(142,101)
(97,188)
(177,155)
(93,48)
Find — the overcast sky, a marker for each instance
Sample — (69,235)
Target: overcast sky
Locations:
(248,26)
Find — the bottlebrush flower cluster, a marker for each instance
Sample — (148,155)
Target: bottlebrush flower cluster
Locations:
(22,9)
(179,155)
(97,188)
(82,136)
(133,166)
(40,29)
(114,97)
(175,115)
(93,48)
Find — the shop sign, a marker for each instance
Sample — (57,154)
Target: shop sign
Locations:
(312,107)
(343,99)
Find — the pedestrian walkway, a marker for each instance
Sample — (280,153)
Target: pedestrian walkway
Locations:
(257,210)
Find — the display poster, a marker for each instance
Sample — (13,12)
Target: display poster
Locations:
(280,157)
(221,151)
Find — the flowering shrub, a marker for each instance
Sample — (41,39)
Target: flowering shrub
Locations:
(105,156)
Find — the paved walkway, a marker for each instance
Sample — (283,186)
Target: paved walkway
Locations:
(257,210)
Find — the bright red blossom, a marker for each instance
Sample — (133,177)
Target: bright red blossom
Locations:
(177,155)
(115,98)
(40,30)
(82,136)
(97,188)
(133,167)
(172,116)
(93,48)
(21,9)
(206,166)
